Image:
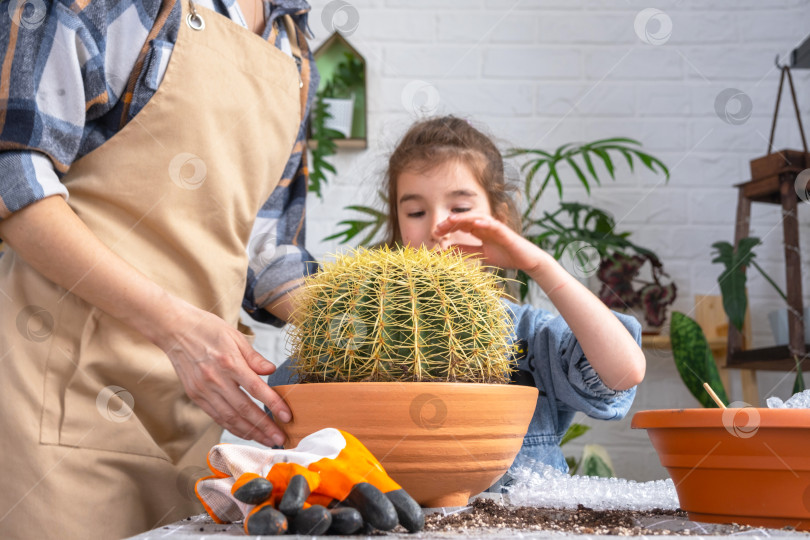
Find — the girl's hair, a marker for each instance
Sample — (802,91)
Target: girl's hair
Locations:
(436,141)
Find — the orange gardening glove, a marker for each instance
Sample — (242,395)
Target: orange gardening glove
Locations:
(329,483)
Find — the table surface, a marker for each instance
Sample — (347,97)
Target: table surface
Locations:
(201,527)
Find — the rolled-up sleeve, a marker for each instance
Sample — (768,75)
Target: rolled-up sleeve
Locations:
(561,369)
(26,177)
(278,259)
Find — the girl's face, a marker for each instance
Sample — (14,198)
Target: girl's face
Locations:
(425,199)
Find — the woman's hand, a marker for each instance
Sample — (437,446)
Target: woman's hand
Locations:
(213,360)
(501,246)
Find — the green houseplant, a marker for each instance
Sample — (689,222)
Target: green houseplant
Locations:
(732,285)
(690,349)
(594,460)
(347,78)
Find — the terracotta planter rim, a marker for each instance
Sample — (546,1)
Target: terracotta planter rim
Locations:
(435,384)
(713,418)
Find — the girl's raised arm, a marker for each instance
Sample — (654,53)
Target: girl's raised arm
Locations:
(607,344)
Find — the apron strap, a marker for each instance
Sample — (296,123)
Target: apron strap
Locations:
(292,35)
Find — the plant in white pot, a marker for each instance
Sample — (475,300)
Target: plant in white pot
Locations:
(332,115)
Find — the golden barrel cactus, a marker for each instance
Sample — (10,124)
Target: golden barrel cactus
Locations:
(401,315)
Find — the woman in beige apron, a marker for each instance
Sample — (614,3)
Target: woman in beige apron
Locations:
(97,435)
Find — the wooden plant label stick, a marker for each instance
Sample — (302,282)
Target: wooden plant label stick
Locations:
(714,396)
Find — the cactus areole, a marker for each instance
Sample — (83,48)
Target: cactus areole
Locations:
(401,315)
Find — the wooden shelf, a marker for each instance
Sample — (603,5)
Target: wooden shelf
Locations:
(661,341)
(655,341)
(768,358)
(349,144)
(766,189)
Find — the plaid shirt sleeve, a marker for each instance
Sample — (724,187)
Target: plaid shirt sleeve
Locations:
(73,76)
(51,64)
(278,259)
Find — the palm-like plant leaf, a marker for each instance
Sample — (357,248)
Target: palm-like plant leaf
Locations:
(570,154)
(325,147)
(354,227)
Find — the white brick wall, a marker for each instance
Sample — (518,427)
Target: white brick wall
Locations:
(546,72)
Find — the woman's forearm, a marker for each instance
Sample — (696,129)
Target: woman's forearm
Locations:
(51,238)
(284,306)
(607,344)
(213,361)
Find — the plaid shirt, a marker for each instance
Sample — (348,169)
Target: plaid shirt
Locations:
(74,72)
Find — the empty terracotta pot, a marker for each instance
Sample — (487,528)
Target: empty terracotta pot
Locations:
(737,465)
(442,442)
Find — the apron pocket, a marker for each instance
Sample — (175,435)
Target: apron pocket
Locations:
(120,393)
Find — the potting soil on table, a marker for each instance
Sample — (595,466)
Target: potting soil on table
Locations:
(492,515)
(489,518)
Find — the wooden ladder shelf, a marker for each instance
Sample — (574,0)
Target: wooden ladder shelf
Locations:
(774,181)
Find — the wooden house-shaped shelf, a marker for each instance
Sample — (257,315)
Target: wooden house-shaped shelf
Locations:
(328,58)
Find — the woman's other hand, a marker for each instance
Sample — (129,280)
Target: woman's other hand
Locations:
(213,360)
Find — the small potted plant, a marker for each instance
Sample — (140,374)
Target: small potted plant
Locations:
(732,285)
(735,464)
(692,354)
(332,114)
(591,233)
(408,350)
(338,93)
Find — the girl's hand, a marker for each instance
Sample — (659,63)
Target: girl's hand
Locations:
(610,348)
(500,245)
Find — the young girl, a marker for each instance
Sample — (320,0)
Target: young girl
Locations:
(446,189)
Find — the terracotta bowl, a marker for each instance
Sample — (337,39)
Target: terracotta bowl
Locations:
(442,442)
(738,465)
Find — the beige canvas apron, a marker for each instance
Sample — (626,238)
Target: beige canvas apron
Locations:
(98,438)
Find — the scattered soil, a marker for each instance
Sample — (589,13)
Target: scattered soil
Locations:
(488,517)
(486,514)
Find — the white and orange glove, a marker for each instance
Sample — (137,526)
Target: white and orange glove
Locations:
(329,483)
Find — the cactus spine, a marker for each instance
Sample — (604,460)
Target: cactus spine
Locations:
(401,315)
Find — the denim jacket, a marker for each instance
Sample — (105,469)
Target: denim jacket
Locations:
(554,360)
